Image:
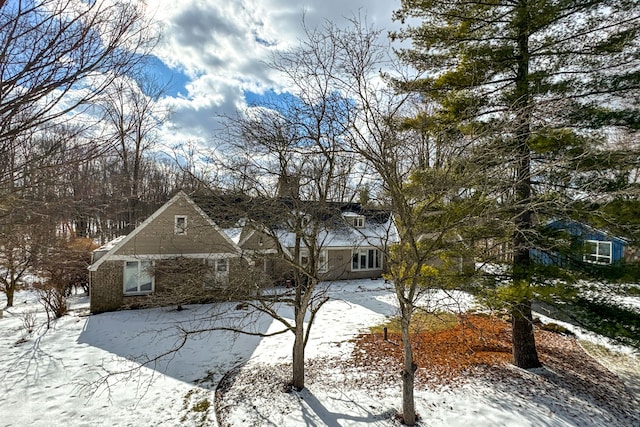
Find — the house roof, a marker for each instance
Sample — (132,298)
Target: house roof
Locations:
(234,234)
(113,246)
(110,245)
(228,210)
(343,235)
(232,209)
(237,211)
(577,228)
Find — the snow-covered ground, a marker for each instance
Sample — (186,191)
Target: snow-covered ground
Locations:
(60,376)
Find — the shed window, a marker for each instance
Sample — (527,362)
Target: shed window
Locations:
(180,228)
(598,252)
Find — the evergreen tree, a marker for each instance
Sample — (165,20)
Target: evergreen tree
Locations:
(537,87)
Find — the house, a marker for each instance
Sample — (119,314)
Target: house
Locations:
(585,244)
(200,247)
(351,240)
(122,273)
(352,245)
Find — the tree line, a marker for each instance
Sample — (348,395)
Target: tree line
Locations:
(78,126)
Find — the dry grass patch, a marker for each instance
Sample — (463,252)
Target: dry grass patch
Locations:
(420,322)
(444,345)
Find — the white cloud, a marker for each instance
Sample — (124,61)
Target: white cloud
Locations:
(222,47)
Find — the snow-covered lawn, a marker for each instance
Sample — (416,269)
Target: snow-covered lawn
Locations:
(57,376)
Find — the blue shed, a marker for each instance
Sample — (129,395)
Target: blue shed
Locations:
(598,247)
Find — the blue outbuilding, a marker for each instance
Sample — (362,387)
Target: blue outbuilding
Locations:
(589,244)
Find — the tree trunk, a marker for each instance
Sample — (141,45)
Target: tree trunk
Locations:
(9,292)
(298,354)
(132,208)
(300,308)
(525,354)
(81,227)
(408,373)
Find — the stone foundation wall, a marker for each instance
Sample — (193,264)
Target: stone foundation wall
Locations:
(106,287)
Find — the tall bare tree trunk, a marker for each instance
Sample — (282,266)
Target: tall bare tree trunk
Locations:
(9,292)
(408,370)
(298,351)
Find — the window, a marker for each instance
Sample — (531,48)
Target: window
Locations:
(222,266)
(218,274)
(323,260)
(597,252)
(218,265)
(304,257)
(366,259)
(180,228)
(358,221)
(137,277)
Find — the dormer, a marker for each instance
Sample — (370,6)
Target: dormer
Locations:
(354,219)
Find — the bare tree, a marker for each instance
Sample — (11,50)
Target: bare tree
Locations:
(303,160)
(63,268)
(57,55)
(31,205)
(132,118)
(420,179)
(420,175)
(288,166)
(56,59)
(19,252)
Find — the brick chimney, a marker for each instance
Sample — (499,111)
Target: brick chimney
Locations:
(289,186)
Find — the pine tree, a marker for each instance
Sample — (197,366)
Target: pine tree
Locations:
(537,87)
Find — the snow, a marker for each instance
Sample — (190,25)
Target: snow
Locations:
(57,376)
(111,244)
(612,293)
(374,234)
(234,234)
(586,335)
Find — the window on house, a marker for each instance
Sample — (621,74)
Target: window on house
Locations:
(137,277)
(304,257)
(366,259)
(180,228)
(218,265)
(598,252)
(222,265)
(323,260)
(358,221)
(218,273)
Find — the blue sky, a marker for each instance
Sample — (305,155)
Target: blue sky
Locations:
(173,80)
(213,53)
